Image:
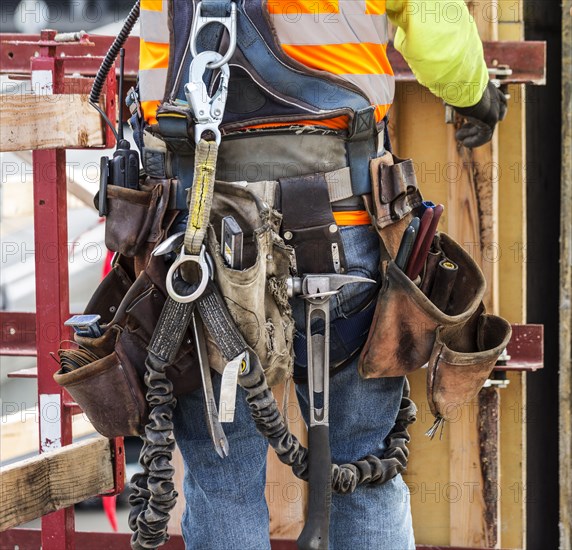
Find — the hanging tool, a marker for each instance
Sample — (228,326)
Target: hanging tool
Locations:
(317,290)
(211,413)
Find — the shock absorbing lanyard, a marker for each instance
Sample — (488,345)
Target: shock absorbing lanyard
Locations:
(207,112)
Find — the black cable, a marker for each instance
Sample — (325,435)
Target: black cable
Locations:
(112,53)
(108,61)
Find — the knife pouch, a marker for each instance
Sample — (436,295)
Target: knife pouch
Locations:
(395,195)
(405,322)
(461,361)
(309,226)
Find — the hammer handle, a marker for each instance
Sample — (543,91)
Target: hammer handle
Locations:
(315,534)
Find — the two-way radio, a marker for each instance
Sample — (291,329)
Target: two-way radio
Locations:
(123,168)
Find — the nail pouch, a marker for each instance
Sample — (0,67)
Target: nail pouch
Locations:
(461,361)
(404,326)
(110,393)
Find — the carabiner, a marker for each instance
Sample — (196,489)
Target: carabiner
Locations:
(205,268)
(208,111)
(199,21)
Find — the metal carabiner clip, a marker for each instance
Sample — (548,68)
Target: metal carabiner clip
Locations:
(200,21)
(208,111)
(204,266)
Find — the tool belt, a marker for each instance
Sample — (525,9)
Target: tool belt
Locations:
(438,319)
(105,375)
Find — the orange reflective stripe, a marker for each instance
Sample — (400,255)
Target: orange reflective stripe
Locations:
(294,7)
(150,110)
(152,5)
(352,217)
(335,123)
(364,58)
(375,7)
(153,55)
(381,111)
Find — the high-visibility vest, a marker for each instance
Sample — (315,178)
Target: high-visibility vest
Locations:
(153,54)
(344,39)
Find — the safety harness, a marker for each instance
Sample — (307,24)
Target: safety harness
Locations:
(192,291)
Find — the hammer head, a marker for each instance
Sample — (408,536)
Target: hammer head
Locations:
(322,284)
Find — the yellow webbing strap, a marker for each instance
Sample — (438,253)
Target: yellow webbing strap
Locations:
(201,195)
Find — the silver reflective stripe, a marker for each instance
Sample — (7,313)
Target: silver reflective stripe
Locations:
(379,88)
(155,25)
(305,29)
(152,84)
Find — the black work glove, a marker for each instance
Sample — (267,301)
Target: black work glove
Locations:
(482,117)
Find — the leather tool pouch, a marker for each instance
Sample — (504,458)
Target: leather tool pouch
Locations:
(308,225)
(394,197)
(135,216)
(405,322)
(256,295)
(110,389)
(462,360)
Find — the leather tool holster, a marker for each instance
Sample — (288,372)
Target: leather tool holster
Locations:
(308,225)
(111,388)
(459,341)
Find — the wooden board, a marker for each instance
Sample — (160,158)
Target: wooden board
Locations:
(48,121)
(19,432)
(285,493)
(54,480)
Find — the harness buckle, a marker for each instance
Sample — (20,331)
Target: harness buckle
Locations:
(200,21)
(208,111)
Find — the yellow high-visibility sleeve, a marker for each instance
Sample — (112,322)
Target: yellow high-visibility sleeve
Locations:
(440,42)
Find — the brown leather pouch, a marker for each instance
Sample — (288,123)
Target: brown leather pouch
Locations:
(111,291)
(394,196)
(110,389)
(461,361)
(110,393)
(135,216)
(405,322)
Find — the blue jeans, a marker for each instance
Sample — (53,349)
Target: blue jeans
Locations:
(226,509)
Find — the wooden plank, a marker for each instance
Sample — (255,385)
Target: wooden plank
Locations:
(286,495)
(474,224)
(54,480)
(421,133)
(174,526)
(19,430)
(48,121)
(512,306)
(565,381)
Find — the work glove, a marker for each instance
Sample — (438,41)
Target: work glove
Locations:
(482,118)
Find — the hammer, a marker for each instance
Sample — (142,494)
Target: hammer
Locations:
(317,290)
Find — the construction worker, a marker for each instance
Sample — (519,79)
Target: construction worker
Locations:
(346,41)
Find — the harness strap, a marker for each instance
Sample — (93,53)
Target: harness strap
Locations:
(201,195)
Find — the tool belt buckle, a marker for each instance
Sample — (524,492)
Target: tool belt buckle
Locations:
(173,275)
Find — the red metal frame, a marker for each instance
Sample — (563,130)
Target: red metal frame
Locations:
(45,329)
(29,539)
